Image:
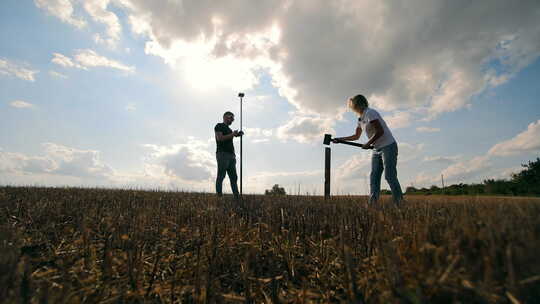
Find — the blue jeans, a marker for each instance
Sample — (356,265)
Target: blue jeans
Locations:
(226,165)
(385,159)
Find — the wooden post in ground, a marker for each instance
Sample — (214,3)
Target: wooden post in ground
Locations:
(327,173)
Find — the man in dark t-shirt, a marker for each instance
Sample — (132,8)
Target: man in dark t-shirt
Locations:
(226,159)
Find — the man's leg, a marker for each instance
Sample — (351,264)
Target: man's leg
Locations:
(375,177)
(222,164)
(389,155)
(233,177)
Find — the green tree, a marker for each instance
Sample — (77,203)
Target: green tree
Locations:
(528,180)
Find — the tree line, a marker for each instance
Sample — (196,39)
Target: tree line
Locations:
(526,182)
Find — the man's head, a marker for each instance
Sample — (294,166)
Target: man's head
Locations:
(228,118)
(358,104)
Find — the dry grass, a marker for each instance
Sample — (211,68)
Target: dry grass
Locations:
(113,246)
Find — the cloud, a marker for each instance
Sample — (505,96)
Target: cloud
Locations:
(90,58)
(20,163)
(427,130)
(97,9)
(400,119)
(526,141)
(214,44)
(17,70)
(318,53)
(352,176)
(131,107)
(62,9)
(356,167)
(76,162)
(409,152)
(506,173)
(467,169)
(458,172)
(445,160)
(259,135)
(65,61)
(57,74)
(399,55)
(185,166)
(424,180)
(21,104)
(85,59)
(360,164)
(305,129)
(190,162)
(57,160)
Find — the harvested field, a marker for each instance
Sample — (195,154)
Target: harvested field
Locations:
(113,246)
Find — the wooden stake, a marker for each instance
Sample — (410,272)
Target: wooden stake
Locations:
(327,157)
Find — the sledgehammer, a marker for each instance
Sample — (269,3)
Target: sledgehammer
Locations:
(328,140)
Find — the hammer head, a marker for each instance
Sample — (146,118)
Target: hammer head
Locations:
(327,139)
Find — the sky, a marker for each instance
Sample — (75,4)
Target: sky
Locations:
(126,93)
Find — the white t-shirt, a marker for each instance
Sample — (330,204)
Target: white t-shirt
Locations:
(364,123)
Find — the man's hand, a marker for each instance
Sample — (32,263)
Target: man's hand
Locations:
(367,146)
(235,133)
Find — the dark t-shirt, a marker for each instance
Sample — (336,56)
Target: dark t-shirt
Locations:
(226,145)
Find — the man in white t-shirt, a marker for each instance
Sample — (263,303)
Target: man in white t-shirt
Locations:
(385,150)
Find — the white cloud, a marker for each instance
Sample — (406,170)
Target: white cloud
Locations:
(428,129)
(258,135)
(188,166)
(355,168)
(458,172)
(76,162)
(85,59)
(445,160)
(402,56)
(62,9)
(399,55)
(131,107)
(65,61)
(17,70)
(468,169)
(400,119)
(424,180)
(57,74)
(57,160)
(97,9)
(21,104)
(305,129)
(90,58)
(20,163)
(352,176)
(506,173)
(526,141)
(408,152)
(190,162)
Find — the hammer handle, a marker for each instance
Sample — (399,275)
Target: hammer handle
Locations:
(351,143)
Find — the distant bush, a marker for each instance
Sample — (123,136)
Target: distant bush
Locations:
(276,190)
(526,182)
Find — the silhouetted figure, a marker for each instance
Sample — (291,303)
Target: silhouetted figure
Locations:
(226,159)
(385,149)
